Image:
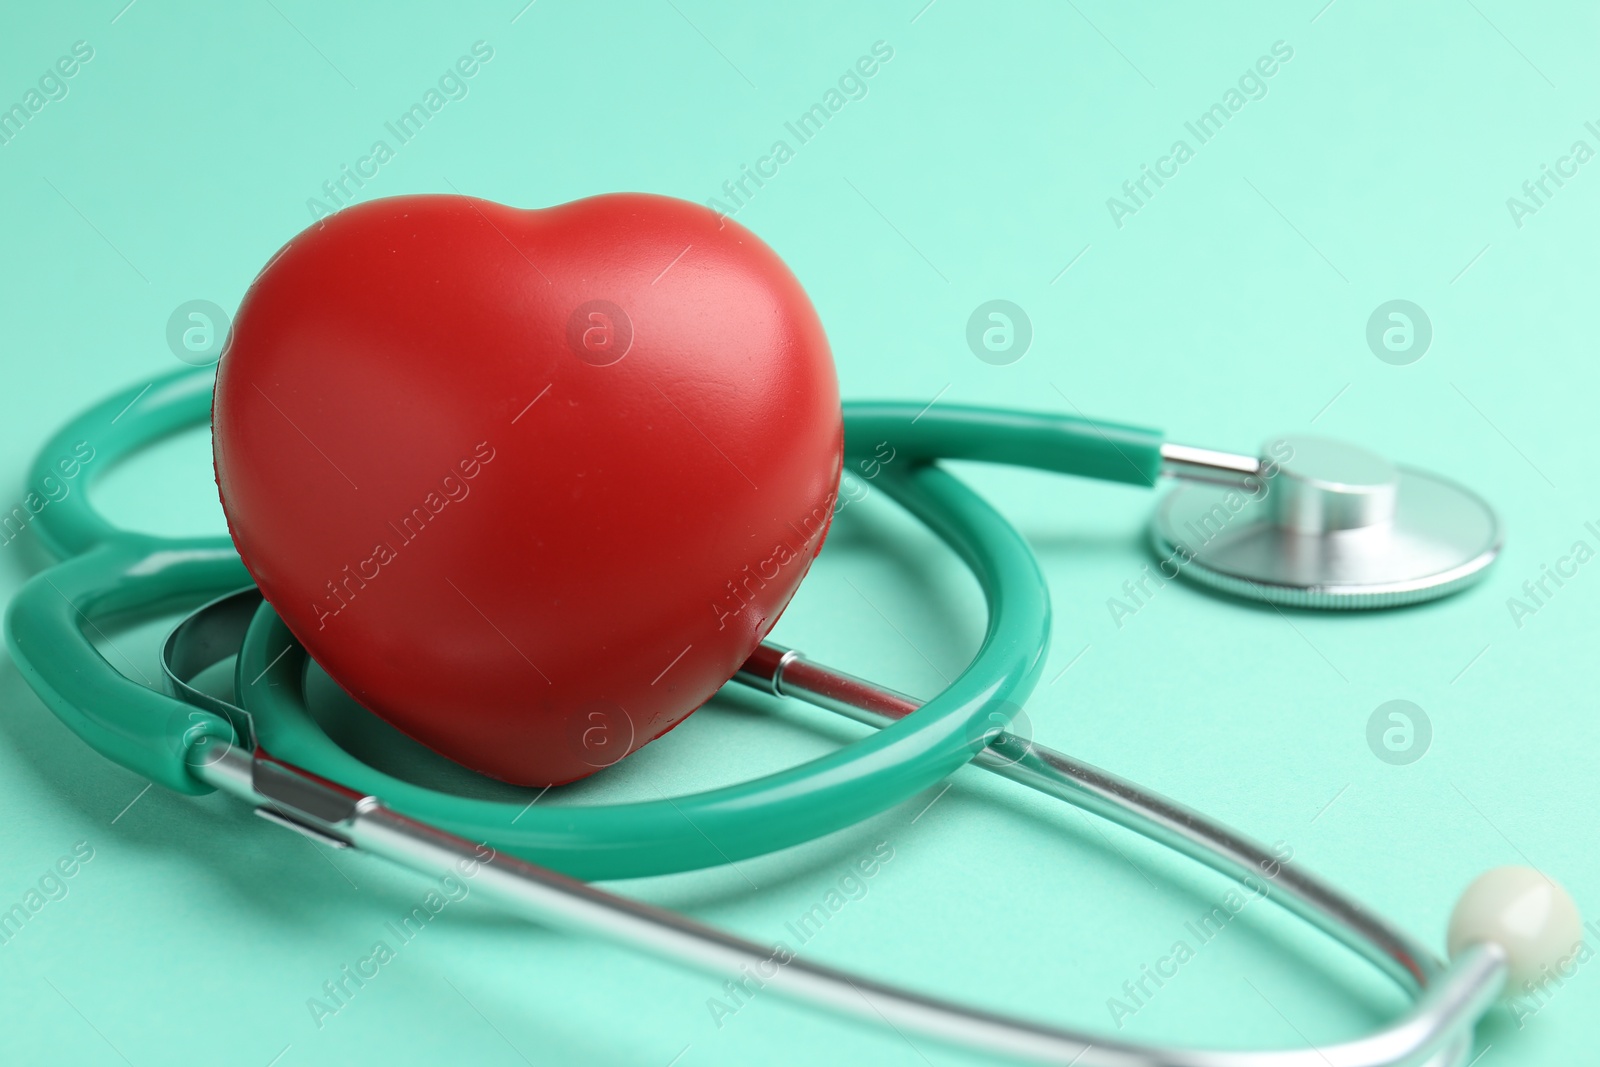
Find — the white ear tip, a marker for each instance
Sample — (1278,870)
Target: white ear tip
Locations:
(1526,914)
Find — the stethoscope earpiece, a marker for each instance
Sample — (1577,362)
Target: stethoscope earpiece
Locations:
(1528,917)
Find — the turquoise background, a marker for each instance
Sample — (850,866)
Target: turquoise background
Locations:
(1231,307)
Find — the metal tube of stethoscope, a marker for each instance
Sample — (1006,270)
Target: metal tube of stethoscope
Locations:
(1438,1025)
(785,672)
(1193,464)
(1436,1030)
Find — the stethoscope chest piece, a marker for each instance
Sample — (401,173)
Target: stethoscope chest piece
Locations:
(1325,524)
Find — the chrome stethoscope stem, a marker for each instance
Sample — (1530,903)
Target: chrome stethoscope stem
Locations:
(1164,821)
(1193,464)
(1436,1031)
(1452,999)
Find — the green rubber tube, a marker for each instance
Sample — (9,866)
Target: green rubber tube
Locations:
(1108,451)
(112,430)
(125,720)
(110,570)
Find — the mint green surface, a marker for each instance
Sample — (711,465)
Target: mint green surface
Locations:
(1232,306)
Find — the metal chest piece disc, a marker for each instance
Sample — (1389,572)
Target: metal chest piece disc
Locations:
(1326,524)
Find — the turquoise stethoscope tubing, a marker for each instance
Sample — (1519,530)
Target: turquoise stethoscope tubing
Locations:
(107,569)
(267,749)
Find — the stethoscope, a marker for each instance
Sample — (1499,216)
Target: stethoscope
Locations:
(1309,523)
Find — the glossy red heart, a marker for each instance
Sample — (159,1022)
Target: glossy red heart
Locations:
(530,485)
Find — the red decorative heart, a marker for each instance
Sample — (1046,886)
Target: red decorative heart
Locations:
(530,485)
